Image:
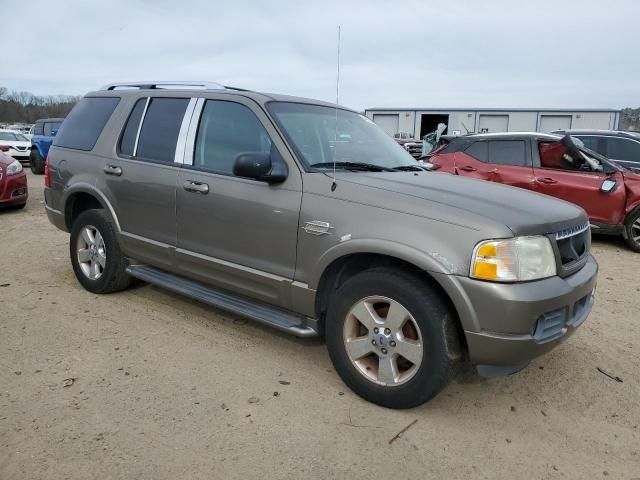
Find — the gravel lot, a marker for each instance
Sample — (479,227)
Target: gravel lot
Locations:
(165,387)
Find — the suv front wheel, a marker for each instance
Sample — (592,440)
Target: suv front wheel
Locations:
(391,337)
(36,163)
(95,254)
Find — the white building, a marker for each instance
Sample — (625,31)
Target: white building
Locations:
(420,121)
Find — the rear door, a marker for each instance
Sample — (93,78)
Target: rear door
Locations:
(563,177)
(502,161)
(236,233)
(141,177)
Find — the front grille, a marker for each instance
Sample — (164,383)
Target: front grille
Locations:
(573,246)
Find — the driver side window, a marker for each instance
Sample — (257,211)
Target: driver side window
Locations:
(227,129)
(553,155)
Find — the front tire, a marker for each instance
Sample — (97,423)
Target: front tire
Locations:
(97,261)
(36,163)
(392,338)
(632,227)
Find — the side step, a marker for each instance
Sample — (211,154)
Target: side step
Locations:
(260,312)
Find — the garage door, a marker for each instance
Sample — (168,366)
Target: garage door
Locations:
(493,123)
(549,123)
(387,122)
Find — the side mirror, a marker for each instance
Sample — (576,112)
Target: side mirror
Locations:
(608,186)
(258,165)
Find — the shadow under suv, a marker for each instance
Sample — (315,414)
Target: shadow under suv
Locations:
(307,217)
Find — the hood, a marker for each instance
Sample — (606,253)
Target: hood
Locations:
(522,211)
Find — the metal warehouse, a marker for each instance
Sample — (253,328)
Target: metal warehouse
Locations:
(420,121)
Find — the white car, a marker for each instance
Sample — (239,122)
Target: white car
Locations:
(15,144)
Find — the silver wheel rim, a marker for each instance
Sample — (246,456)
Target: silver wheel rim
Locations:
(91,252)
(383,341)
(635,231)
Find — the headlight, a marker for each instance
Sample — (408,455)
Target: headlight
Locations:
(14,167)
(513,260)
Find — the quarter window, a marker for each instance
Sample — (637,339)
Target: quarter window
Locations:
(227,129)
(160,129)
(84,124)
(508,152)
(623,149)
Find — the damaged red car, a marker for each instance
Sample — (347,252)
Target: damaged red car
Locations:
(558,166)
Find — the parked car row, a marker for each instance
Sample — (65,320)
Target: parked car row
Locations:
(13,183)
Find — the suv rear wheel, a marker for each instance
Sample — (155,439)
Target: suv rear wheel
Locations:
(36,163)
(391,338)
(95,254)
(632,226)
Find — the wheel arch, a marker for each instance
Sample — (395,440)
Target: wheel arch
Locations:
(83,197)
(344,267)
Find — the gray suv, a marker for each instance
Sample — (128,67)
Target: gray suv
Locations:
(307,217)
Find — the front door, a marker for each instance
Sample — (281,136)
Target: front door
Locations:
(567,178)
(236,233)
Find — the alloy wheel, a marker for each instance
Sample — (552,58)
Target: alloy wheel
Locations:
(383,341)
(91,252)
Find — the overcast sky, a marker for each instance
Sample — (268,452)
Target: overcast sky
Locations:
(464,53)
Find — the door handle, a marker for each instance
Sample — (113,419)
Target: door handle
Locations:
(196,187)
(112,170)
(467,168)
(547,180)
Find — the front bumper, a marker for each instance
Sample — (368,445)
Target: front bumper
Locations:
(22,157)
(519,322)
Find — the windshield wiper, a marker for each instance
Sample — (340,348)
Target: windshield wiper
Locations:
(363,167)
(408,168)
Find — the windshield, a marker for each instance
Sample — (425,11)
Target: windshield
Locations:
(12,137)
(311,130)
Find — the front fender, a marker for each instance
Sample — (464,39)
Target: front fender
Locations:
(429,261)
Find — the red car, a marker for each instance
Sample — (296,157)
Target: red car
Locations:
(558,166)
(13,183)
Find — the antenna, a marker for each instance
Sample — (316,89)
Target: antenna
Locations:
(335,130)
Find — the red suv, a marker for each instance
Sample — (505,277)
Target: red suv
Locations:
(558,166)
(13,182)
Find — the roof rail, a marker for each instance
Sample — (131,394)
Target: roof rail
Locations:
(151,85)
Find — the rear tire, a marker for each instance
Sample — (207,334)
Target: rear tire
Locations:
(36,163)
(97,261)
(632,229)
(422,325)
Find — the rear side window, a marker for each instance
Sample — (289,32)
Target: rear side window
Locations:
(479,151)
(160,129)
(128,140)
(623,149)
(84,124)
(508,152)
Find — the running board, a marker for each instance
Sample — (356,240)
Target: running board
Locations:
(260,312)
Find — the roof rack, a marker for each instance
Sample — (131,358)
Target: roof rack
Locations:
(151,85)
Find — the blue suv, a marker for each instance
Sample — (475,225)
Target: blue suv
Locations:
(43,132)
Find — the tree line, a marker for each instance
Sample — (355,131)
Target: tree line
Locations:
(25,107)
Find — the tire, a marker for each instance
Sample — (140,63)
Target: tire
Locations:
(430,324)
(103,267)
(632,230)
(36,163)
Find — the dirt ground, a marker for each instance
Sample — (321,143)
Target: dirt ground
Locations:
(168,388)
